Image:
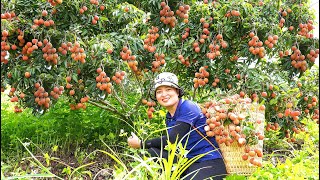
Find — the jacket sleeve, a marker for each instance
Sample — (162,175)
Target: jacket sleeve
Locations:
(178,131)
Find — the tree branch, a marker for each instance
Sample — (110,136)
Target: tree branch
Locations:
(115,111)
(107,104)
(123,105)
(134,109)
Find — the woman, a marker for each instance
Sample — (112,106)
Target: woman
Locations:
(184,117)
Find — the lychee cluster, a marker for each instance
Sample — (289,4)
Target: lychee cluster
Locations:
(8,15)
(81,104)
(27,50)
(182,12)
(56,92)
(271,41)
(41,96)
(39,22)
(255,45)
(150,105)
(297,59)
(183,60)
(313,54)
(95,2)
(4,51)
(49,52)
(231,13)
(118,77)
(54,2)
(78,53)
(196,47)
(64,48)
(205,31)
(103,81)
(131,59)
(201,78)
(215,81)
(215,47)
(159,60)
(185,34)
(167,16)
(83,9)
(151,38)
(17,109)
(306,28)
(95,19)
(21,38)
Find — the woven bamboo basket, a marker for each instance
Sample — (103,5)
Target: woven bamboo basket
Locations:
(232,153)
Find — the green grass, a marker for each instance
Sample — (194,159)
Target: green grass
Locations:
(60,126)
(94,135)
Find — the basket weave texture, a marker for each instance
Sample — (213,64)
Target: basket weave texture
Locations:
(232,153)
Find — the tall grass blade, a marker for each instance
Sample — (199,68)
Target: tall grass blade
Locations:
(39,163)
(75,170)
(114,158)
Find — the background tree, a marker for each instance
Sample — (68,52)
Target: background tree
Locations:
(106,53)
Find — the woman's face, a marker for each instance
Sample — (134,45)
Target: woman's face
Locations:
(167,96)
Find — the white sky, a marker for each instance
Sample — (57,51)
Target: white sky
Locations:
(315,5)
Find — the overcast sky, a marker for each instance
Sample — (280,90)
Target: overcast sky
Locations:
(315,5)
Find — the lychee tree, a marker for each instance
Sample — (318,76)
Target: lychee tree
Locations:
(107,53)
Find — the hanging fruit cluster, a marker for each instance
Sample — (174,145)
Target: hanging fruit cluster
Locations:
(205,31)
(151,38)
(313,54)
(185,33)
(255,45)
(55,2)
(304,29)
(271,41)
(297,59)
(41,96)
(131,59)
(215,47)
(118,77)
(4,51)
(201,77)
(49,52)
(159,60)
(231,13)
(78,53)
(183,60)
(64,48)
(8,15)
(56,92)
(83,9)
(80,105)
(17,109)
(167,16)
(182,12)
(196,47)
(150,105)
(103,81)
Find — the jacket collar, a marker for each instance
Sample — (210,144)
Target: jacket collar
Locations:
(168,115)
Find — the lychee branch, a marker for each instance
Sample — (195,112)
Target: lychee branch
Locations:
(109,109)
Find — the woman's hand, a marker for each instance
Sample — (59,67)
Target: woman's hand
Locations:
(134,141)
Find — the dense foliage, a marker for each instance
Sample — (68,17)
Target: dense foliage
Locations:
(107,53)
(99,52)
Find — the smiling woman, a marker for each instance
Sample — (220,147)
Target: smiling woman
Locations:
(184,119)
(167,97)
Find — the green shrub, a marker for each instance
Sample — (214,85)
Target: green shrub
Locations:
(302,163)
